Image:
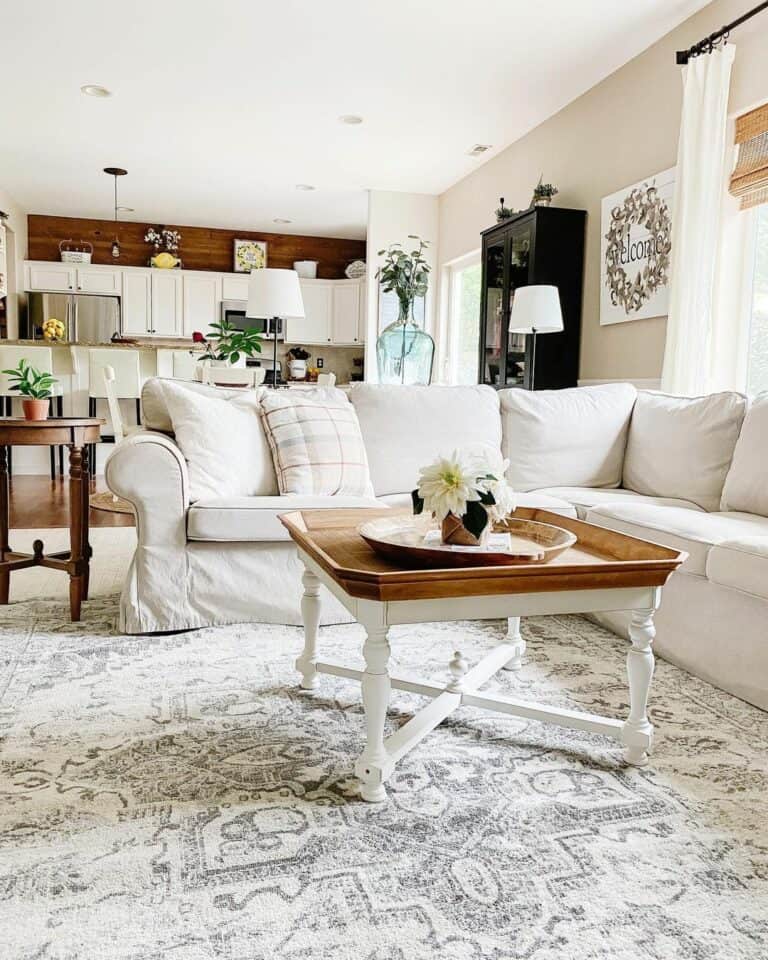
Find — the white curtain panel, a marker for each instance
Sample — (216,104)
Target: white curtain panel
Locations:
(701,175)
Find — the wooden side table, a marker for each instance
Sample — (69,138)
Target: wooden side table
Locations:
(76,434)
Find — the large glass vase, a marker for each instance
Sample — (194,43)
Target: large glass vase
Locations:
(405,352)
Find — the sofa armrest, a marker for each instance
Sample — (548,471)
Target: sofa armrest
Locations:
(149,471)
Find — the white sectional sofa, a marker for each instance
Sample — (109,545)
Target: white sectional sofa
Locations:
(691,473)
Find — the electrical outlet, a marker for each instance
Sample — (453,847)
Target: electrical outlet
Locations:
(319,363)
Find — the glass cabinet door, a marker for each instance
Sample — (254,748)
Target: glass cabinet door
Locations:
(519,264)
(493,321)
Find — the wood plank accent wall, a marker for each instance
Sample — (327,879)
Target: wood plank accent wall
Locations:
(202,248)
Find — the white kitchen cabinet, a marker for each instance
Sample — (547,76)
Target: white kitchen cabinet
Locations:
(315,325)
(345,324)
(235,286)
(167,314)
(137,302)
(100,279)
(49,276)
(201,296)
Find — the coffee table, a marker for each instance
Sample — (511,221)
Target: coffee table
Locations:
(604,570)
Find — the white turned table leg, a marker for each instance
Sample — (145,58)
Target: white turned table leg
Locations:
(637,732)
(515,637)
(310,612)
(372,768)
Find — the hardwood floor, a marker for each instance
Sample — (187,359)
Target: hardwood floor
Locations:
(38,502)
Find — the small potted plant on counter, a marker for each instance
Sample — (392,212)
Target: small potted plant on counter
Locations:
(35,388)
(297,363)
(227,346)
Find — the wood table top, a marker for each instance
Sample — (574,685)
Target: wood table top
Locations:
(55,431)
(599,559)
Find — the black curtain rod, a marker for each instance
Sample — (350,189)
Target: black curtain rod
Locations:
(708,44)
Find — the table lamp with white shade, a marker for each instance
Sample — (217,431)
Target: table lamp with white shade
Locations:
(536,309)
(274,295)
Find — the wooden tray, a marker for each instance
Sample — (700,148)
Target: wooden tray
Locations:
(402,538)
(600,558)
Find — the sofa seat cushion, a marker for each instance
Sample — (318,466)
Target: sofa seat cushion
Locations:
(742,564)
(255,519)
(536,500)
(680,528)
(585,498)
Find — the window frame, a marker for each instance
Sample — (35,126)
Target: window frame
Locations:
(450,297)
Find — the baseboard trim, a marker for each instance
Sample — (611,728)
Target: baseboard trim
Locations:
(643,384)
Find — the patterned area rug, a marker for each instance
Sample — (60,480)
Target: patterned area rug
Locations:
(178,797)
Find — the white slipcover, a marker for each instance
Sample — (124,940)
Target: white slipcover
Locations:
(746,486)
(405,428)
(742,564)
(257,518)
(573,438)
(682,447)
(585,498)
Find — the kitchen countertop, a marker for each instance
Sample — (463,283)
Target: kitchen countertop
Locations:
(155,343)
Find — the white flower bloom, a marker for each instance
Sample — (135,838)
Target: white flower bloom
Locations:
(503,494)
(447,485)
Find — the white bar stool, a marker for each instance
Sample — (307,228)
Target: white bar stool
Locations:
(41,358)
(126,385)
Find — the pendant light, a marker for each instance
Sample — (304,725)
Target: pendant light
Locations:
(115,172)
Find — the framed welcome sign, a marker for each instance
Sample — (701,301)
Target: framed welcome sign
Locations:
(636,249)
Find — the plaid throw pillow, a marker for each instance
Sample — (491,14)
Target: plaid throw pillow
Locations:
(317,447)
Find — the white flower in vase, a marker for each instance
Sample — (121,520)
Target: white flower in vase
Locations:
(448,485)
(493,480)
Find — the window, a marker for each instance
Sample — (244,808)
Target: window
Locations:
(757,364)
(463,321)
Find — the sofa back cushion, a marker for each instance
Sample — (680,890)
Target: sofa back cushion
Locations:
(406,427)
(682,446)
(566,438)
(317,448)
(222,439)
(746,486)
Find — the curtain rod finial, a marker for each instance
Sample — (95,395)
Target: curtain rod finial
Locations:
(681,57)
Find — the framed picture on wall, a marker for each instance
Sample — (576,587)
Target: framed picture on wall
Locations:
(250,255)
(636,249)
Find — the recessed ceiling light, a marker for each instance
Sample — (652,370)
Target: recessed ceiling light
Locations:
(281,220)
(351,118)
(95,90)
(478,149)
(304,186)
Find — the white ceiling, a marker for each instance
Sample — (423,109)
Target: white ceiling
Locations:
(219,109)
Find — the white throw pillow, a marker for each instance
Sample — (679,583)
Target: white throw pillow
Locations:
(746,486)
(682,446)
(316,445)
(222,440)
(566,438)
(407,427)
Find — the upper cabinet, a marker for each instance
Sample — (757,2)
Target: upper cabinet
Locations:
(137,302)
(201,298)
(234,286)
(166,303)
(334,313)
(66,277)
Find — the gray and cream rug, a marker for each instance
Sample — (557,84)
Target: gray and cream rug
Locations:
(177,797)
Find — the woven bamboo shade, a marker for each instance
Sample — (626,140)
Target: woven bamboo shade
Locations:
(749,179)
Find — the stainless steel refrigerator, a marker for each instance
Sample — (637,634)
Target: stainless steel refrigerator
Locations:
(86,318)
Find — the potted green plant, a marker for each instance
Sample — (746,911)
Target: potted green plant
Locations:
(404,352)
(503,212)
(227,346)
(543,193)
(34,386)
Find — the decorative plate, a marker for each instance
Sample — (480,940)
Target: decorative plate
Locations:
(356,270)
(412,541)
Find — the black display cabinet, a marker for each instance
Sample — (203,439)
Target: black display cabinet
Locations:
(543,245)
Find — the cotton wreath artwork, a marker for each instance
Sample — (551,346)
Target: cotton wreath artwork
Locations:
(643,207)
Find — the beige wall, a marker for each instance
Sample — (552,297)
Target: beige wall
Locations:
(16,227)
(622,130)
